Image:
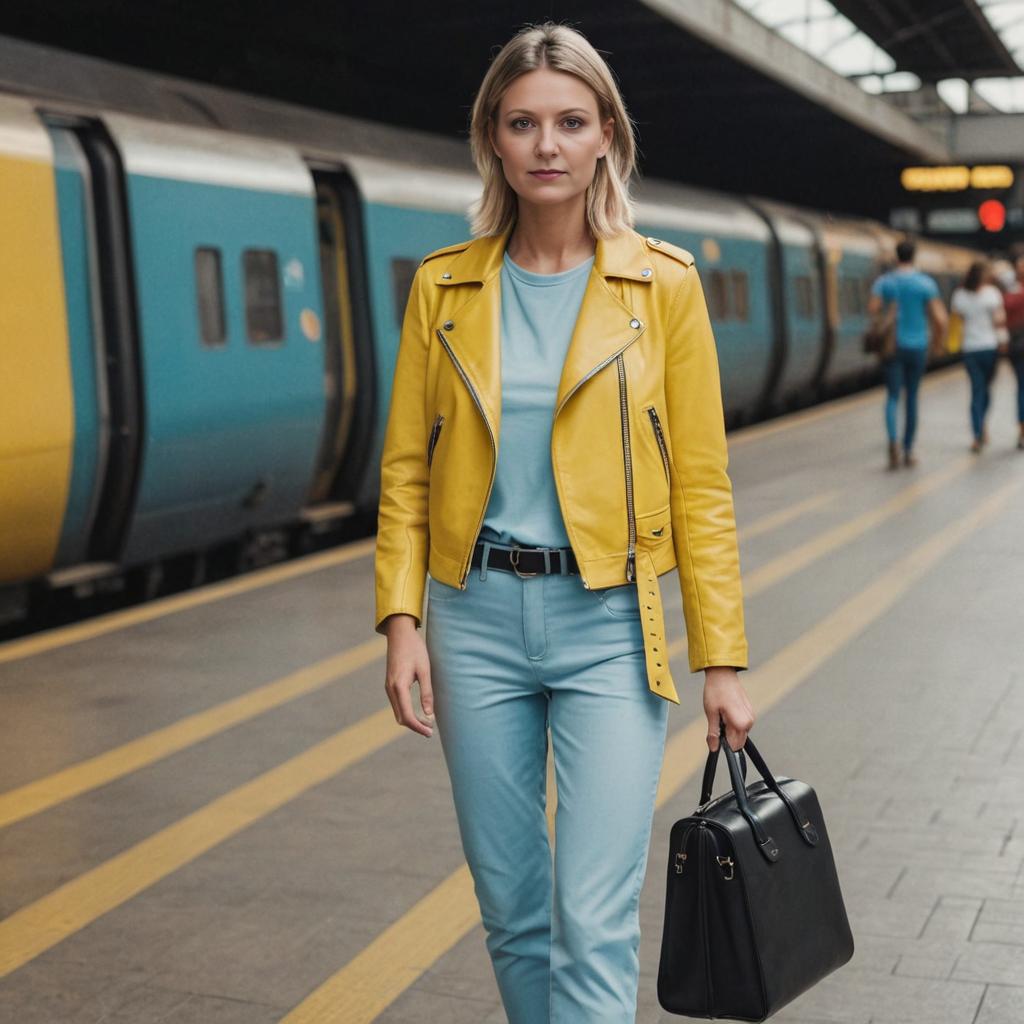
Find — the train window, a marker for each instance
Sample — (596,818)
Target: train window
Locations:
(210,297)
(740,296)
(804,295)
(262,296)
(717,306)
(848,296)
(402,273)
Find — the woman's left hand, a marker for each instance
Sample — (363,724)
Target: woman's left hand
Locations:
(726,699)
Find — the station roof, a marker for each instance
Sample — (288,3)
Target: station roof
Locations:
(719,99)
(952,39)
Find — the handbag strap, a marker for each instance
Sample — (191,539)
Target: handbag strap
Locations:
(710,766)
(768,847)
(738,773)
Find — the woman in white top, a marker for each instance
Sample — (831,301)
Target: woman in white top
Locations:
(980,304)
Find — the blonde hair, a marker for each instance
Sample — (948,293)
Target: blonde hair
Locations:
(609,206)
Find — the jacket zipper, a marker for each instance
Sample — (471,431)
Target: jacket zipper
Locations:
(435,433)
(659,437)
(600,366)
(494,452)
(628,462)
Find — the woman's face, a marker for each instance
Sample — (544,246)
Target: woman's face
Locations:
(548,121)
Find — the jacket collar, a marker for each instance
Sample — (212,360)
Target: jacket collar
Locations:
(606,324)
(622,256)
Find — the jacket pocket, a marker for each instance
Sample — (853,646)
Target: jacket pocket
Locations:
(435,433)
(659,437)
(655,526)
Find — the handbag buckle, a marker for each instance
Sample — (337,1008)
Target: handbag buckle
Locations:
(727,864)
(514,559)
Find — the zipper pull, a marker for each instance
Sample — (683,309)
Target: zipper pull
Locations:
(631,565)
(681,855)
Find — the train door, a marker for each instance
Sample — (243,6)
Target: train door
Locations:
(348,370)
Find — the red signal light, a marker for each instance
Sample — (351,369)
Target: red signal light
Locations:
(992,215)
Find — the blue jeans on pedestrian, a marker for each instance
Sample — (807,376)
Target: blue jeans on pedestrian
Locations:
(981,367)
(903,370)
(509,657)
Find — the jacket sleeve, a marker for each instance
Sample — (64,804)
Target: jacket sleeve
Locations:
(703,518)
(400,562)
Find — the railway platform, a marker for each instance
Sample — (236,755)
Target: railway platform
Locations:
(208,814)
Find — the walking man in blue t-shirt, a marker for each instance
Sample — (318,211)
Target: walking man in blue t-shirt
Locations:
(918,304)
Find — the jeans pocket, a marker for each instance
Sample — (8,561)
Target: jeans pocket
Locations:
(621,602)
(441,592)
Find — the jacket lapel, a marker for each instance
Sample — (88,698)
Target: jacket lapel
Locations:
(603,328)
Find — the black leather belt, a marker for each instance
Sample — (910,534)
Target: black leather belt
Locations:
(525,561)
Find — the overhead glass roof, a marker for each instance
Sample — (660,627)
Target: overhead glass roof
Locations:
(1007,18)
(820,30)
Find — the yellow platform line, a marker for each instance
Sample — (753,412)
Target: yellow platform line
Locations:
(838,536)
(834,407)
(46,792)
(64,636)
(784,516)
(38,926)
(41,794)
(377,976)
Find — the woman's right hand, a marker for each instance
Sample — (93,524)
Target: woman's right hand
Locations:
(408,662)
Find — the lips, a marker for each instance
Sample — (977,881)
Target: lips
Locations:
(547,175)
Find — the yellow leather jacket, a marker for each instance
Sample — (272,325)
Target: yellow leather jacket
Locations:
(638,444)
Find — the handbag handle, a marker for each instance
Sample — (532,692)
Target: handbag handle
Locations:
(710,766)
(737,772)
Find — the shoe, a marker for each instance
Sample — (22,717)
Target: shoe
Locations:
(1020,442)
(894,455)
(976,445)
(909,458)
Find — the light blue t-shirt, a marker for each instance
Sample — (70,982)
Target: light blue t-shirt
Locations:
(911,290)
(538,314)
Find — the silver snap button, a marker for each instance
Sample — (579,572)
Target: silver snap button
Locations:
(646,272)
(446,276)
(654,241)
(449,324)
(634,323)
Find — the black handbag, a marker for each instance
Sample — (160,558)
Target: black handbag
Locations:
(753,911)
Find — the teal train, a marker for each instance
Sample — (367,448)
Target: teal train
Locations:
(201,305)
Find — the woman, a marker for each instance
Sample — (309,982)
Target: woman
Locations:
(980,304)
(581,352)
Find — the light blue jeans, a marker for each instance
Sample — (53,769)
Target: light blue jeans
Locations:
(510,657)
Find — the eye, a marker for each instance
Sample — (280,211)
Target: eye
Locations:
(577,120)
(520,120)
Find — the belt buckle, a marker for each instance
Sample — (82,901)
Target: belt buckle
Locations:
(514,559)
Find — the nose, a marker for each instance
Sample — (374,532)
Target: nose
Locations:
(547,141)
